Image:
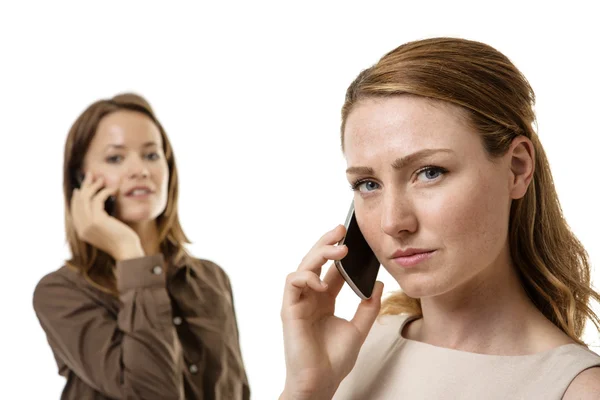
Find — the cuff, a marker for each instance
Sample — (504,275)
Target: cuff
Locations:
(141,272)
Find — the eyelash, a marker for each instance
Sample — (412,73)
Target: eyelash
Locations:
(113,159)
(356,184)
(432,168)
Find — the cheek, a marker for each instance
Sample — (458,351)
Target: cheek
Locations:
(161,175)
(112,177)
(369,222)
(474,219)
(112,180)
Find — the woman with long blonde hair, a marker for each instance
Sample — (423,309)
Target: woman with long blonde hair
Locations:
(131,315)
(454,195)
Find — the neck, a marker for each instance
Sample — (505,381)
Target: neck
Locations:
(489,314)
(148,234)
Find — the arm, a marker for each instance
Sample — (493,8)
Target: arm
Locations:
(235,341)
(134,356)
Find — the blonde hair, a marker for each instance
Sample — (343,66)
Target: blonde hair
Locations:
(95,265)
(552,263)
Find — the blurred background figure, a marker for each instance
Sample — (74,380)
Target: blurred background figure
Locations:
(132,315)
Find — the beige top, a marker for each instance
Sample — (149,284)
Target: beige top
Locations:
(392,367)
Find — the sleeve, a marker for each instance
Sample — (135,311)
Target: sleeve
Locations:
(245,385)
(135,355)
(243,391)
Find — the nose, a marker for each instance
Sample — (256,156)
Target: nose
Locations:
(137,168)
(397,215)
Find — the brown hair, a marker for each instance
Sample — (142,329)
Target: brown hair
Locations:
(94,264)
(552,263)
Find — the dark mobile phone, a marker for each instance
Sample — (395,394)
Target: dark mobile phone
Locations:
(360,266)
(109,204)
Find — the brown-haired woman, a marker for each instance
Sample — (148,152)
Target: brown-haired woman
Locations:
(454,194)
(131,315)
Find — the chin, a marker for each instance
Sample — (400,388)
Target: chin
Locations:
(420,285)
(141,214)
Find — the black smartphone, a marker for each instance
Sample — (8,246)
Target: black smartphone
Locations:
(109,204)
(360,266)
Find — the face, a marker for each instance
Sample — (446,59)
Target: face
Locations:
(127,151)
(423,181)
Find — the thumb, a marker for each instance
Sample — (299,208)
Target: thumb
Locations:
(368,310)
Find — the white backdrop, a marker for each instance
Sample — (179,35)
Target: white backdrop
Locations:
(250,94)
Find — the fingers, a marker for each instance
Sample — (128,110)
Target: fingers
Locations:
(318,256)
(325,249)
(100,198)
(307,275)
(368,310)
(91,185)
(90,198)
(331,237)
(77,205)
(334,280)
(297,283)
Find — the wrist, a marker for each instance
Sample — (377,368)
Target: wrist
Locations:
(129,250)
(291,394)
(315,396)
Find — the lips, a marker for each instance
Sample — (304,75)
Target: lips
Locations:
(139,191)
(409,252)
(411,257)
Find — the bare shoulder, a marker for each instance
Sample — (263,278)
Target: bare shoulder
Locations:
(585,386)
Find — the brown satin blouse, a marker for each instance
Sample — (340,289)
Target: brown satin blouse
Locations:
(172,333)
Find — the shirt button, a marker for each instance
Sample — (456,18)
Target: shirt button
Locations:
(177,320)
(193,369)
(157,270)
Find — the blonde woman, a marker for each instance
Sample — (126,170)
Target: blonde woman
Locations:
(132,315)
(454,194)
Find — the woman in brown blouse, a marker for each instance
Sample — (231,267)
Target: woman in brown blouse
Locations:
(131,315)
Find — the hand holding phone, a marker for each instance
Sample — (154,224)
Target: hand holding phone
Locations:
(360,266)
(320,348)
(93,224)
(110,203)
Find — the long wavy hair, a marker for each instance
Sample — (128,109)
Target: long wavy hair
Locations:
(553,265)
(95,265)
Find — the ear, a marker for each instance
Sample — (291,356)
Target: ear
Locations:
(522,165)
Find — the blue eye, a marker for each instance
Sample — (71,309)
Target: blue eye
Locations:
(431,173)
(365,186)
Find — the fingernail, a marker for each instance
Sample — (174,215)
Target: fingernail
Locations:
(325,286)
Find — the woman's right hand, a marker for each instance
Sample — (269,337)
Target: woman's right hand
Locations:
(93,224)
(320,348)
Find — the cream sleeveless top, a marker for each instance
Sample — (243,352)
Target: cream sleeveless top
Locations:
(392,367)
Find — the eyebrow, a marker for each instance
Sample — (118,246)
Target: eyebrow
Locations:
(399,163)
(120,146)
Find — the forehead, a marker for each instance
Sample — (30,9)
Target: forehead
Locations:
(403,125)
(126,128)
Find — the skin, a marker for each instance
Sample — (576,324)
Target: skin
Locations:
(455,203)
(470,293)
(125,152)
